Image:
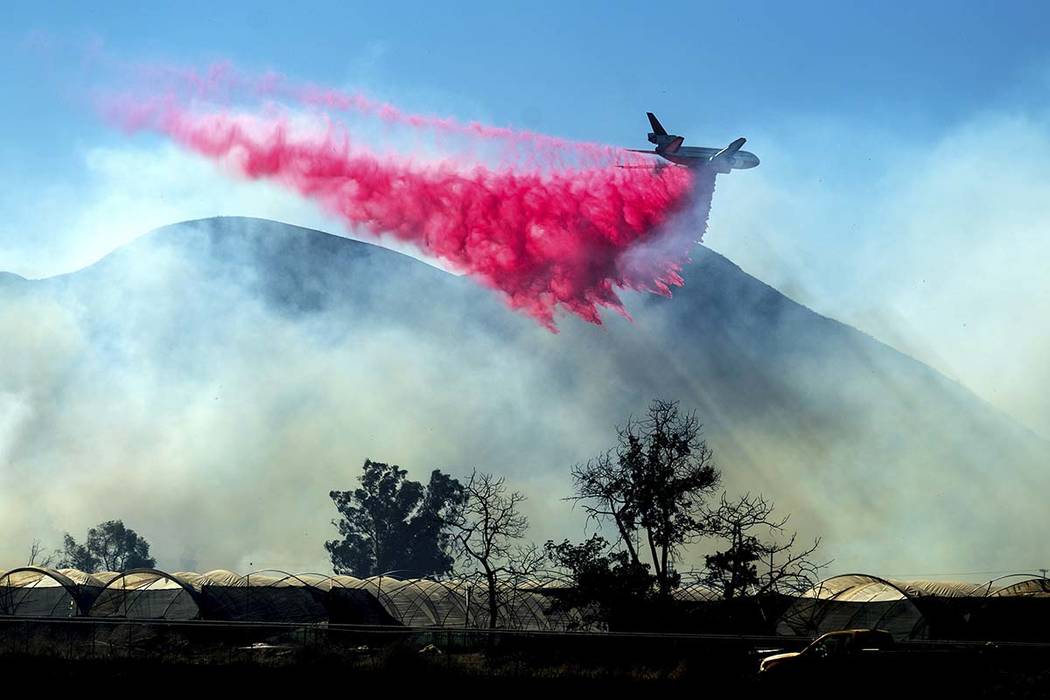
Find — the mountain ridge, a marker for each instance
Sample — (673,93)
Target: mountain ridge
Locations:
(371,249)
(230,341)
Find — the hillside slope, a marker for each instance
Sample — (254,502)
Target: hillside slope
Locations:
(232,371)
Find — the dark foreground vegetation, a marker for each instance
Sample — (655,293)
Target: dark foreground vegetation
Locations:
(396,660)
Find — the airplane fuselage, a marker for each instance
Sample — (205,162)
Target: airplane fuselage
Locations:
(698,156)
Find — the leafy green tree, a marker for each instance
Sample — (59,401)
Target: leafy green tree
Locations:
(110,546)
(606,588)
(391,523)
(652,486)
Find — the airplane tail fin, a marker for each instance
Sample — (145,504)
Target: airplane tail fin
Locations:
(658,128)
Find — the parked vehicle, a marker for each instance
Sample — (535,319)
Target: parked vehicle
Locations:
(829,649)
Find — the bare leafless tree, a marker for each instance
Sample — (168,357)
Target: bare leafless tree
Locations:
(526,562)
(40,556)
(760,556)
(486,529)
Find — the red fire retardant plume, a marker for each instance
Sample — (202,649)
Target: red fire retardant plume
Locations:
(565,238)
(223,81)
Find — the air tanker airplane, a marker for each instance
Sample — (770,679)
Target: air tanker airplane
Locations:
(669,147)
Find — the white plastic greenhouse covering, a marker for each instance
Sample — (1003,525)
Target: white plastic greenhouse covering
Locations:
(906,609)
(1019,585)
(31,592)
(695,592)
(147,594)
(272,596)
(428,603)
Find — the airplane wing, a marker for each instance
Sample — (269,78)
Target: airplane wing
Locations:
(729,150)
(657,166)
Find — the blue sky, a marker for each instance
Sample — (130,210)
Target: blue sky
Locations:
(904,147)
(578,69)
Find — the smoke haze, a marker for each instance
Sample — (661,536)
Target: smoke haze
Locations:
(211,382)
(187,396)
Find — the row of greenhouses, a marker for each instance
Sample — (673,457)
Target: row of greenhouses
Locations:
(1012,607)
(1015,607)
(271,596)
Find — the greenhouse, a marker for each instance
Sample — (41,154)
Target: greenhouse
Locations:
(274,596)
(460,603)
(695,592)
(921,609)
(37,592)
(1016,608)
(421,602)
(148,594)
(346,602)
(1019,586)
(271,596)
(1009,608)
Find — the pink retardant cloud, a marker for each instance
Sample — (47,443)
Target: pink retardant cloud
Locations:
(557,238)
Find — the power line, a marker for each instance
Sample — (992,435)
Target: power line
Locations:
(1020,571)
